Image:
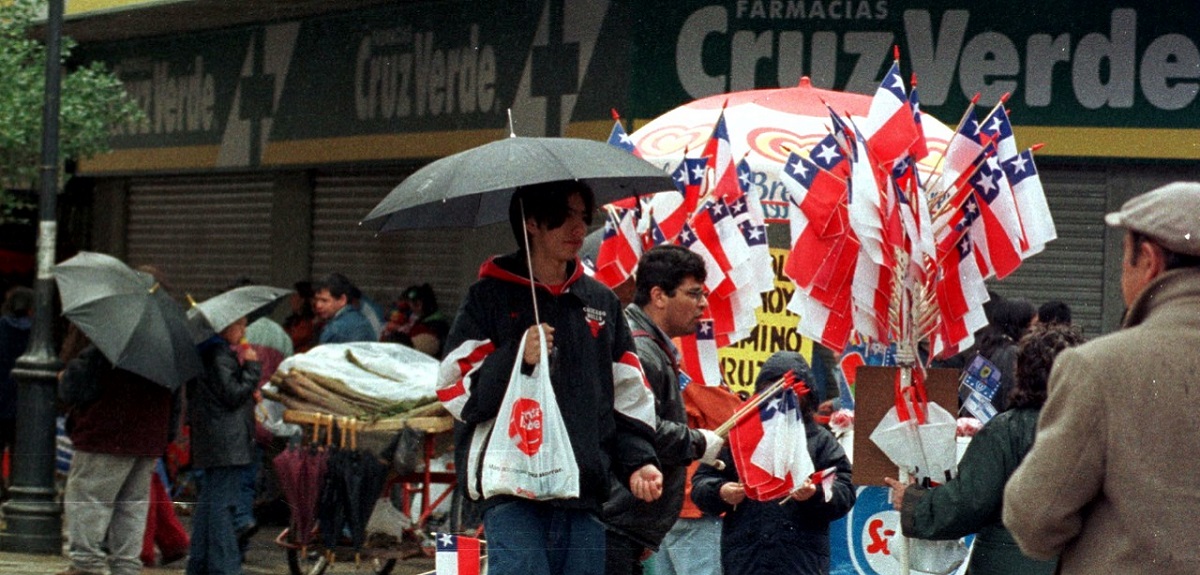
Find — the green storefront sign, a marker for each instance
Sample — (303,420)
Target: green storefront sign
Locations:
(1092,79)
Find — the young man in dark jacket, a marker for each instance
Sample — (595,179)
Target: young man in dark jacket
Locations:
(669,302)
(605,403)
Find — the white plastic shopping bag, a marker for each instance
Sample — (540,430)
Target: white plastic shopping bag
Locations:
(529,453)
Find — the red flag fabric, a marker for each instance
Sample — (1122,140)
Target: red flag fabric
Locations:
(699,355)
(890,128)
(620,247)
(456,555)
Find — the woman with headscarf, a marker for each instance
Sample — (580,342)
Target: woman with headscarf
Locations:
(779,537)
(971,502)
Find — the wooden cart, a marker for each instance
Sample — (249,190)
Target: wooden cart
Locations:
(437,432)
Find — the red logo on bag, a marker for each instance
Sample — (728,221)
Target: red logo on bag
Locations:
(526,425)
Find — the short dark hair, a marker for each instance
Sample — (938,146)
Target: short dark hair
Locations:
(424,294)
(304,288)
(1009,319)
(1054,311)
(666,267)
(19,302)
(1035,357)
(1172,260)
(547,204)
(337,284)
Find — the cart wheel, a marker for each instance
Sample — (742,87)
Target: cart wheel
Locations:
(315,563)
(311,562)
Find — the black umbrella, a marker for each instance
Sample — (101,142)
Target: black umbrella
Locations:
(218,312)
(133,323)
(472,188)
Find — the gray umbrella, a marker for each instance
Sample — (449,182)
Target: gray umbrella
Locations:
(472,188)
(137,326)
(218,312)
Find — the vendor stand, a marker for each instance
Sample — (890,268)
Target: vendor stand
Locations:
(350,505)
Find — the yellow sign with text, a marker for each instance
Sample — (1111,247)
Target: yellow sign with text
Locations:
(776,330)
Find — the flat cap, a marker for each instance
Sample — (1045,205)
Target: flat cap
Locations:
(1169,215)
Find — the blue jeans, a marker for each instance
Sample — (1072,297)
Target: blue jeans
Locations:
(534,538)
(691,547)
(214,548)
(243,513)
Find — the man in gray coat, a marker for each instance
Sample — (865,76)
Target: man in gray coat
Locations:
(1113,480)
(669,302)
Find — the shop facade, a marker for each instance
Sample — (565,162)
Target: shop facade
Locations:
(265,142)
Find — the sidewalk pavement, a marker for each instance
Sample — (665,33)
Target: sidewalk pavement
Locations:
(263,558)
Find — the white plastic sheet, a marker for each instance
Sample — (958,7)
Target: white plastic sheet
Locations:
(410,374)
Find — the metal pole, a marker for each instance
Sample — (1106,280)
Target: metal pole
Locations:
(33,517)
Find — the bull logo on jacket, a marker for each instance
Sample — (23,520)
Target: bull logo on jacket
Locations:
(595,320)
(525,425)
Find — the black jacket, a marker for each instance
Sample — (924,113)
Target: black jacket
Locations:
(764,537)
(221,408)
(675,444)
(600,390)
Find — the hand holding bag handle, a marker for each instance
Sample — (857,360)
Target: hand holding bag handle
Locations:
(529,452)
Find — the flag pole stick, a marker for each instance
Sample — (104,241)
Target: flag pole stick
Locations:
(906,380)
(752,404)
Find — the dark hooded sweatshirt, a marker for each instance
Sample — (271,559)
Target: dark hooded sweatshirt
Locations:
(605,403)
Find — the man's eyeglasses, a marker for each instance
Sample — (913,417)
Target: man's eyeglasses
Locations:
(698,294)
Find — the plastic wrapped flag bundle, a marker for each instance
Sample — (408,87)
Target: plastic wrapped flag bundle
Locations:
(918,435)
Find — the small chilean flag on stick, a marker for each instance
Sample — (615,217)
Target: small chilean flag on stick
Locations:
(457,555)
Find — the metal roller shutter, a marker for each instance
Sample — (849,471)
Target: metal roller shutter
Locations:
(1071,268)
(201,231)
(381,265)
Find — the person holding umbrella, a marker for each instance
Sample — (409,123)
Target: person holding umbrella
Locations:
(605,404)
(119,423)
(121,395)
(221,414)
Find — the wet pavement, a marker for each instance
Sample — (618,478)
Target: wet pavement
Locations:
(264,557)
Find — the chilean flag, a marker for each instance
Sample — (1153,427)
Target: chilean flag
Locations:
(699,351)
(770,447)
(890,127)
(457,555)
(620,247)
(619,138)
(672,211)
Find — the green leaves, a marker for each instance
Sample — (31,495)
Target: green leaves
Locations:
(93,100)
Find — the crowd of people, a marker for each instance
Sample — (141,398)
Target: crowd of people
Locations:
(1067,478)
(1070,506)
(134,442)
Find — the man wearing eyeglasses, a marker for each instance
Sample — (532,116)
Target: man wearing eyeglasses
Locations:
(669,302)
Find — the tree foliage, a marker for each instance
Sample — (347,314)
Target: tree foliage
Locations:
(93,100)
